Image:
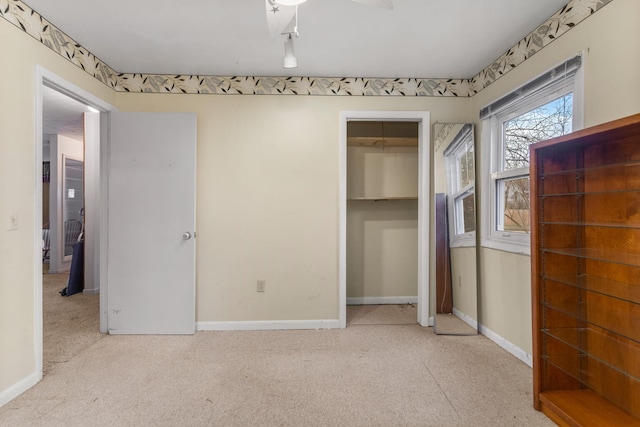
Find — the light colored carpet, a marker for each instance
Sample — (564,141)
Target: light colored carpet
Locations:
(364,375)
(384,314)
(452,325)
(70,324)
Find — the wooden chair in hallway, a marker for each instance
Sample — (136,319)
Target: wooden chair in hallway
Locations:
(72,232)
(45,244)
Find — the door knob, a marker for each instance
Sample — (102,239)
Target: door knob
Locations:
(186,235)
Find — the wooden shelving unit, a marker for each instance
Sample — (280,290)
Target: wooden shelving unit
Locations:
(585,254)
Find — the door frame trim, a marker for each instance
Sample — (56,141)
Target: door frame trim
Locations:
(423,118)
(45,77)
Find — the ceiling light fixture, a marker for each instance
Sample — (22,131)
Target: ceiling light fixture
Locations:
(290,60)
(289,2)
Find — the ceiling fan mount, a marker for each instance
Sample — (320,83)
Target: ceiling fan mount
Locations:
(282,19)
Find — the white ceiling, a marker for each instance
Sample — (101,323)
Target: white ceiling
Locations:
(61,115)
(338,38)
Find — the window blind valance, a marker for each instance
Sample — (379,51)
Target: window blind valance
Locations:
(565,70)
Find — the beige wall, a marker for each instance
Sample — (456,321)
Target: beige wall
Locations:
(611,40)
(382,236)
(267,198)
(382,248)
(464,281)
(382,172)
(20,261)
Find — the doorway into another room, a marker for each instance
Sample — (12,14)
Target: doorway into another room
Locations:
(67,148)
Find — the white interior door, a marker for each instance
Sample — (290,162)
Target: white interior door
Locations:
(151,223)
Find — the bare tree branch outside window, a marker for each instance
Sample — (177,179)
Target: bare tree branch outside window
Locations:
(544,122)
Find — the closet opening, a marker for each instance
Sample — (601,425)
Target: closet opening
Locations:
(382,222)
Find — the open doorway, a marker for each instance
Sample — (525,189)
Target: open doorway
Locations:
(419,197)
(67,155)
(69,324)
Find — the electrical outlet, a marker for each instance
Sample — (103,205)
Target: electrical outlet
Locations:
(13,222)
(459,281)
(261,285)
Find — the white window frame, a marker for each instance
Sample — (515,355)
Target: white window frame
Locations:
(457,193)
(539,91)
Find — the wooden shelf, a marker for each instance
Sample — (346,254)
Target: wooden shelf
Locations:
(382,198)
(615,257)
(612,349)
(585,265)
(583,408)
(381,142)
(626,291)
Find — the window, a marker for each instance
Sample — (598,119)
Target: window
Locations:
(460,164)
(542,109)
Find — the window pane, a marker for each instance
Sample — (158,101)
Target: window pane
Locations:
(470,164)
(469,213)
(544,122)
(465,213)
(463,167)
(516,205)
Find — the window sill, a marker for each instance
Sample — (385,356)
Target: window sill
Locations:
(513,247)
(465,242)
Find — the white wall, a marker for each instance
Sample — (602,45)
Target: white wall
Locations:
(60,148)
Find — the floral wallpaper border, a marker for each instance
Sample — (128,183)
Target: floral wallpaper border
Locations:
(442,135)
(29,21)
(291,85)
(574,12)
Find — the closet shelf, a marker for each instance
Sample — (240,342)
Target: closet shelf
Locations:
(380,142)
(382,198)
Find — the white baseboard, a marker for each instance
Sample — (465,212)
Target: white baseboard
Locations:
(381,300)
(91,291)
(509,346)
(265,325)
(466,319)
(18,388)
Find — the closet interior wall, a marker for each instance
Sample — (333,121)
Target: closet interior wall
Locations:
(382,212)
